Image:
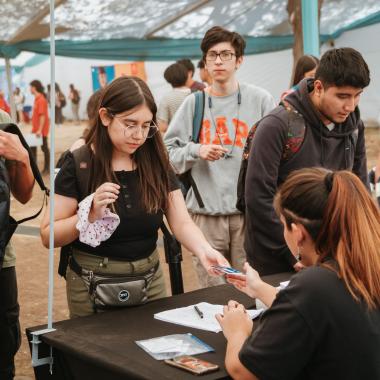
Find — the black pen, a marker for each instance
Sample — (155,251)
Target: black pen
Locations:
(198,311)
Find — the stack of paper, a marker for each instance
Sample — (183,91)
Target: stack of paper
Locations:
(187,316)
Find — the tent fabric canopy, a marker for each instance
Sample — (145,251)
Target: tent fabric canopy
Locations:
(165,29)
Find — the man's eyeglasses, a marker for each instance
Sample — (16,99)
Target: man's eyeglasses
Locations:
(147,130)
(224,55)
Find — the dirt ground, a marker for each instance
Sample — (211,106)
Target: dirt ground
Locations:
(32,257)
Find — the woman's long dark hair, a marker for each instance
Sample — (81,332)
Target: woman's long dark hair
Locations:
(343,221)
(304,64)
(121,95)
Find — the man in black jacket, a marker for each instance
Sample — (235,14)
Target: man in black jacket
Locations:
(331,136)
(21,181)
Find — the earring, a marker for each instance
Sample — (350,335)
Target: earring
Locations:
(298,255)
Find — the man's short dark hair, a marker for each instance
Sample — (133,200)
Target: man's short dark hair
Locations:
(343,67)
(201,64)
(176,74)
(188,64)
(217,34)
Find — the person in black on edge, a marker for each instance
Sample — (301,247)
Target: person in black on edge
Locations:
(326,323)
(21,181)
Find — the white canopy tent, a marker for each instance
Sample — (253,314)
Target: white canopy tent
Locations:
(271,71)
(164,30)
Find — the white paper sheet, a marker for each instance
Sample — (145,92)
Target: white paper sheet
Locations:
(187,316)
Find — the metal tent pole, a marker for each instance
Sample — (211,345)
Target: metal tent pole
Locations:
(52,151)
(8,70)
(310,29)
(36,361)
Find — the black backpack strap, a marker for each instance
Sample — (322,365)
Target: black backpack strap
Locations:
(173,251)
(240,201)
(13,128)
(199,110)
(295,133)
(82,159)
(173,256)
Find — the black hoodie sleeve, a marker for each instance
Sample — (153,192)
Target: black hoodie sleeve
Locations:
(266,249)
(360,159)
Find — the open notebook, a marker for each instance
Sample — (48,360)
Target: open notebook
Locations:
(187,316)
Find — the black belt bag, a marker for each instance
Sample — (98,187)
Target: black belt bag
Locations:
(115,290)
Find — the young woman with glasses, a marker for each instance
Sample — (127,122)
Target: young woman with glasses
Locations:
(131,186)
(326,323)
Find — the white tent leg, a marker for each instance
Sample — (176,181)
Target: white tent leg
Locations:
(8,70)
(35,341)
(52,158)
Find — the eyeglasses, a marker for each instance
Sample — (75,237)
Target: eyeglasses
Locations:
(147,130)
(224,55)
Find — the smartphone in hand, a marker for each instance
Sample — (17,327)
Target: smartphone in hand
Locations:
(225,270)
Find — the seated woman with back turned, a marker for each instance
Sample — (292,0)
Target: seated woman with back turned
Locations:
(326,323)
(127,172)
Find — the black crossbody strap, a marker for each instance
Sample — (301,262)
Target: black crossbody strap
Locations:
(13,128)
(199,110)
(36,214)
(82,159)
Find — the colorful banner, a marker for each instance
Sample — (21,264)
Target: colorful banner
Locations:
(102,75)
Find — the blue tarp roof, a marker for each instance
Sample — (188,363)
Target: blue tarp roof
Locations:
(165,29)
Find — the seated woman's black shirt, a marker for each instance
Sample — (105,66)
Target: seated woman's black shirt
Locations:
(315,330)
(136,236)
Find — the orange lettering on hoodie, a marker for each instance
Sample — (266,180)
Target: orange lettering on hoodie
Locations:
(205,133)
(241,132)
(221,134)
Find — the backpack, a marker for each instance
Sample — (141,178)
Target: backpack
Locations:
(173,250)
(76,97)
(295,138)
(186,178)
(8,224)
(62,99)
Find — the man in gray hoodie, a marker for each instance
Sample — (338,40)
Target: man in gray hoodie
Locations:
(331,136)
(230,109)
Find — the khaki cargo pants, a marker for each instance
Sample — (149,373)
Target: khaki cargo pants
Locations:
(225,233)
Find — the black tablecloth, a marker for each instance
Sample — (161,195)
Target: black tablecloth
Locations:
(102,346)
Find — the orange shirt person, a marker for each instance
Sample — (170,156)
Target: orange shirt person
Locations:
(40,121)
(3,104)
(40,117)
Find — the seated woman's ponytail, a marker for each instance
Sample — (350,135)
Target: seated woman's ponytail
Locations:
(350,232)
(343,221)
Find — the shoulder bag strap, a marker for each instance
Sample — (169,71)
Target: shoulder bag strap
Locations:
(198,114)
